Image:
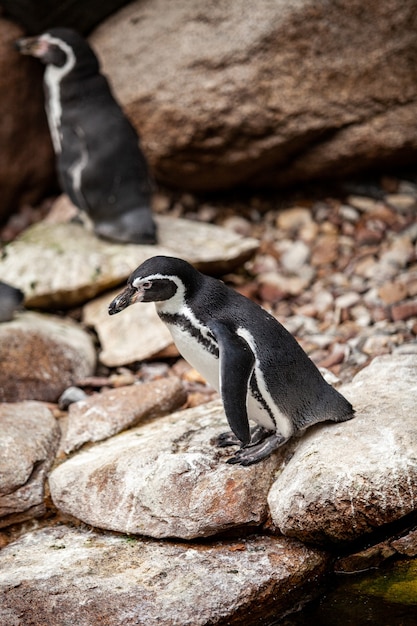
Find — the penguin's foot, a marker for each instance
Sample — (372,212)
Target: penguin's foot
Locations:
(254,453)
(257,434)
(131,227)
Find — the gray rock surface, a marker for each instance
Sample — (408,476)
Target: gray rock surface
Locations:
(102,415)
(64,264)
(165,479)
(272,92)
(345,480)
(41,355)
(28,442)
(135,335)
(62,576)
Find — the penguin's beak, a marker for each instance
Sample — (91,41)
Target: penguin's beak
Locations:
(32,46)
(125,299)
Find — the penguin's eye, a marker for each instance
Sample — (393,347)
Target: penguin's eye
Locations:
(147,284)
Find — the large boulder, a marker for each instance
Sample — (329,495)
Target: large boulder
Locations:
(345,480)
(266,93)
(26,156)
(62,575)
(165,479)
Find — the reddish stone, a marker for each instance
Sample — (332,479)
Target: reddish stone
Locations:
(404,311)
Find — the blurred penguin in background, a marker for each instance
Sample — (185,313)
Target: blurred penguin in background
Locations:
(100,164)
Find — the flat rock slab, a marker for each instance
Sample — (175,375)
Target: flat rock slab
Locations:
(28,442)
(41,355)
(165,479)
(345,480)
(135,334)
(60,575)
(64,264)
(104,414)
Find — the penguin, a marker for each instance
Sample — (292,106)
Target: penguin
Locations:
(11,300)
(259,369)
(100,164)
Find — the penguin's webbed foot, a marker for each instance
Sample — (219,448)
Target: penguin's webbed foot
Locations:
(257,434)
(253,453)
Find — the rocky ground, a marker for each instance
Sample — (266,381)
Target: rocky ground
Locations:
(339,270)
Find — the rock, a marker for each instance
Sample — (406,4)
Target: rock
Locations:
(41,355)
(28,442)
(294,219)
(345,480)
(102,415)
(121,581)
(165,479)
(404,311)
(63,265)
(303,111)
(401,201)
(295,257)
(135,335)
(406,545)
(24,129)
(369,558)
(325,250)
(391,292)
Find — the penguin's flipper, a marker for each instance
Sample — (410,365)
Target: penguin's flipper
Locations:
(236,365)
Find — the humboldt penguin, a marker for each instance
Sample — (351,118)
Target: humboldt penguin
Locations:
(100,163)
(259,369)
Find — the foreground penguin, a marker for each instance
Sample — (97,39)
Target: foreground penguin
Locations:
(100,164)
(259,369)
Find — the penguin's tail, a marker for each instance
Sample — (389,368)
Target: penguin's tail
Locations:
(341,409)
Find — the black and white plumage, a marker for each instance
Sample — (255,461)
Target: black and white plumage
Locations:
(260,370)
(100,164)
(11,299)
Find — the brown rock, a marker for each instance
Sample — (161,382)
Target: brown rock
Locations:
(369,558)
(107,413)
(113,580)
(404,311)
(285,99)
(406,545)
(26,156)
(29,439)
(41,355)
(392,292)
(325,250)
(345,480)
(165,479)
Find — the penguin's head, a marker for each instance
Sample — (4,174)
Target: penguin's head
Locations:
(158,279)
(61,47)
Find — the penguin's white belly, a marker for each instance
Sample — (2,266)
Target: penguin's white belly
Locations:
(208,366)
(196,355)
